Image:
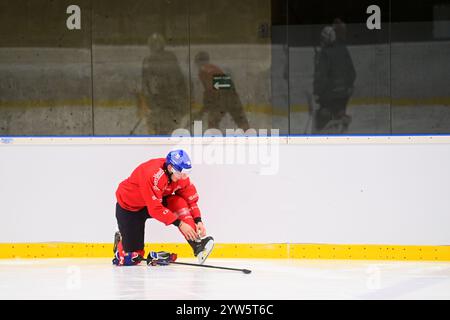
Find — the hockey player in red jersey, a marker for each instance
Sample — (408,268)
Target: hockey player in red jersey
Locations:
(160,189)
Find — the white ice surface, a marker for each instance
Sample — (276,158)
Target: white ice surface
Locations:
(269,280)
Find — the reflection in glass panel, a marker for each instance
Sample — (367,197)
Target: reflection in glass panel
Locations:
(45,83)
(280,66)
(304,67)
(421,67)
(231,63)
(338,68)
(141,69)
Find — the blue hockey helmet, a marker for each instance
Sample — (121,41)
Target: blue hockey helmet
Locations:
(179,160)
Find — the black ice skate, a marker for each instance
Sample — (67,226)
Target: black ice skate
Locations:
(202,248)
(117,239)
(346,121)
(336,126)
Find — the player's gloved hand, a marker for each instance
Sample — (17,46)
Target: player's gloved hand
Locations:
(161,258)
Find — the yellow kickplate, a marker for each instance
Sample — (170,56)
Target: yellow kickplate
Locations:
(236,250)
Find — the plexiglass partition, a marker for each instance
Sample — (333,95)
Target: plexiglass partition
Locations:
(45,68)
(150,67)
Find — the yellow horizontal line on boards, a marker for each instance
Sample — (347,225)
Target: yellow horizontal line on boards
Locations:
(78,250)
(253,108)
(236,250)
(406,102)
(370,252)
(31,104)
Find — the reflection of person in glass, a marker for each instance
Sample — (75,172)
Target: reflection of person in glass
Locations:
(218,101)
(164,99)
(334,77)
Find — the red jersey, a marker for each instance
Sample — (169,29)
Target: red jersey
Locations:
(206,74)
(147,186)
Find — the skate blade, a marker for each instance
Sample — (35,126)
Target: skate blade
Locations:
(202,256)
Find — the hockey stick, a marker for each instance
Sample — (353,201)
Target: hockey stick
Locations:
(136,126)
(311,113)
(142,106)
(246,271)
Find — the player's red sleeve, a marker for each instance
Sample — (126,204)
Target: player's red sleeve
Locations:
(153,199)
(189,193)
